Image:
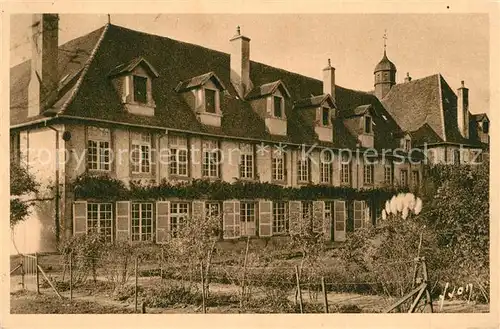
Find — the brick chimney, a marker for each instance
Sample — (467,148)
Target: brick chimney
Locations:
(463,110)
(44,81)
(240,64)
(329,80)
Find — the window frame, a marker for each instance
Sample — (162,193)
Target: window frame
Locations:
(403,173)
(388,179)
(281,221)
(368,174)
(180,217)
(142,236)
(326,169)
(139,141)
(278,166)
(145,79)
(98,220)
(328,116)
(303,170)
(177,167)
(345,171)
(248,214)
(99,136)
(281,106)
(216,106)
(415,182)
(210,154)
(247,161)
(368,118)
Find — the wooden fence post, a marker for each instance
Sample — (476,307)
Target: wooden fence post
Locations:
(204,308)
(22,273)
(298,288)
(37,274)
(71,276)
(136,283)
(161,265)
(325,299)
(143,308)
(244,274)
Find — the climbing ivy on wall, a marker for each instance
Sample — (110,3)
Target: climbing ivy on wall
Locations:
(106,188)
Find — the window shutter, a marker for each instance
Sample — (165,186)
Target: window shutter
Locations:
(79,217)
(122,220)
(231,219)
(265,218)
(366,214)
(327,224)
(339,220)
(295,210)
(198,209)
(318,216)
(358,214)
(153,155)
(162,221)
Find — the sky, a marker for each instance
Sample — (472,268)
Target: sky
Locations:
(455,45)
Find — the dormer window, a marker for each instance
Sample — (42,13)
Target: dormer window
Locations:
(278,107)
(134,83)
(140,89)
(406,143)
(325,115)
(368,125)
(486,127)
(211,101)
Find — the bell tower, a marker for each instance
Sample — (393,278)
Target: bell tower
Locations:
(384,74)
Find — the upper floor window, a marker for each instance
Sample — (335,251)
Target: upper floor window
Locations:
(303,170)
(368,125)
(210,164)
(415,178)
(278,107)
(140,89)
(279,165)
(98,148)
(345,170)
(325,116)
(326,167)
(210,100)
(246,161)
(388,175)
(404,177)
(368,174)
(178,155)
(486,127)
(141,153)
(407,145)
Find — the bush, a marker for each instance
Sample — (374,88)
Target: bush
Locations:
(166,295)
(125,292)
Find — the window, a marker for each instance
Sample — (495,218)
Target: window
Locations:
(178,155)
(486,127)
(368,174)
(246,161)
(368,125)
(100,220)
(210,101)
(141,153)
(179,211)
(407,145)
(278,165)
(415,178)
(210,159)
(140,89)
(280,217)
(326,167)
(456,156)
(404,177)
(325,115)
(388,175)
(278,107)
(98,148)
(329,211)
(247,218)
(142,221)
(307,214)
(345,170)
(213,209)
(303,170)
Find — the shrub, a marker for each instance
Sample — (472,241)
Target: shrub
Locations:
(166,295)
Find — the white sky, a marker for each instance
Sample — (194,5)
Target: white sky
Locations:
(455,45)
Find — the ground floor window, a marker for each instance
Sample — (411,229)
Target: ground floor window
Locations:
(179,211)
(280,217)
(142,221)
(100,219)
(213,209)
(248,218)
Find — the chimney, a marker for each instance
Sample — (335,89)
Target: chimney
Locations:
(463,110)
(329,80)
(240,63)
(407,78)
(44,81)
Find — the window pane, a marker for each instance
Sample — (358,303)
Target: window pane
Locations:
(277,107)
(140,89)
(210,101)
(326,116)
(368,125)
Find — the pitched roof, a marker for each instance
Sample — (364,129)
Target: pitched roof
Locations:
(92,94)
(199,81)
(267,89)
(479,117)
(130,66)
(314,101)
(357,111)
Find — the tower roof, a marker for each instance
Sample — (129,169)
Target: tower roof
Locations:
(385,64)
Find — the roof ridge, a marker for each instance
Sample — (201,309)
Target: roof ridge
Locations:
(84,71)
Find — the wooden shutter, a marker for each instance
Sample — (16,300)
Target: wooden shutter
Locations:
(198,208)
(295,210)
(327,223)
(162,221)
(79,217)
(231,219)
(265,218)
(318,216)
(339,220)
(122,220)
(366,214)
(358,214)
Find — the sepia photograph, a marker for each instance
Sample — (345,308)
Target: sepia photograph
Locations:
(202,163)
